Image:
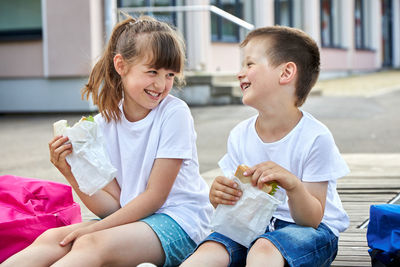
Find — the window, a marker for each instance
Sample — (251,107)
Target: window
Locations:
(361,25)
(330,23)
(223,30)
(20,20)
(169,17)
(283,10)
(289,13)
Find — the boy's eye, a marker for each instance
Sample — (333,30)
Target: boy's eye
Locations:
(249,64)
(171,75)
(152,72)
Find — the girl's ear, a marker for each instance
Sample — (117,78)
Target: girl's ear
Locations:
(288,73)
(119,64)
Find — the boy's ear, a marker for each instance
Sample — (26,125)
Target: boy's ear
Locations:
(288,72)
(119,64)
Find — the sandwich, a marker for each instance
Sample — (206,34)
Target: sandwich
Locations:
(267,188)
(61,125)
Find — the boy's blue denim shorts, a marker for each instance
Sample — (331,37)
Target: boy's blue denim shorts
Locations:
(299,245)
(175,241)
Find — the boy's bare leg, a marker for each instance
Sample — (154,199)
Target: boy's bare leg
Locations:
(45,250)
(125,245)
(209,254)
(264,253)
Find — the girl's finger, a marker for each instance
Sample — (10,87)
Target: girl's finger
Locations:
(68,239)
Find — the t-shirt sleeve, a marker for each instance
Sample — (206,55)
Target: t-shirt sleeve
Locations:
(230,160)
(324,161)
(177,135)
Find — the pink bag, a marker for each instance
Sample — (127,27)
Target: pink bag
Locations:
(30,206)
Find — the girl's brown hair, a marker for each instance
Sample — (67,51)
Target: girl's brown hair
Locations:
(284,44)
(133,39)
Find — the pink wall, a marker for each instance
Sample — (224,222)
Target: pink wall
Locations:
(68,38)
(343,59)
(365,60)
(333,59)
(225,57)
(21,59)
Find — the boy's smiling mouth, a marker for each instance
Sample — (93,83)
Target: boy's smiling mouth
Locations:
(244,86)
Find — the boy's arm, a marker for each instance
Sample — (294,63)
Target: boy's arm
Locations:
(306,200)
(307,203)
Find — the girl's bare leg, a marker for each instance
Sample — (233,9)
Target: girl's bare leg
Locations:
(209,254)
(45,250)
(125,245)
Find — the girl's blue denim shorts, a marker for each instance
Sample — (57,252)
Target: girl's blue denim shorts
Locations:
(299,245)
(175,241)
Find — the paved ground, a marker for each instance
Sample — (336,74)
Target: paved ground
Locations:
(361,111)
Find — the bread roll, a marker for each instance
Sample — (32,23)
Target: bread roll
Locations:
(59,126)
(267,188)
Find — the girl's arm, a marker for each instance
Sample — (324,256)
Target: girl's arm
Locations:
(103,202)
(162,177)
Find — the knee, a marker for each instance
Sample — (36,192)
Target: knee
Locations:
(53,235)
(86,242)
(263,246)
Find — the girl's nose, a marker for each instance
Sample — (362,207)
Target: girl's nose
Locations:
(159,83)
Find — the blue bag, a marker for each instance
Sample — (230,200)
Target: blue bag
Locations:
(383,235)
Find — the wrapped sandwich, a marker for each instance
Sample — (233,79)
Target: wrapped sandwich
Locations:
(251,214)
(89,159)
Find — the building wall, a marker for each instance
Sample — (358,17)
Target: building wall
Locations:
(21,59)
(72,38)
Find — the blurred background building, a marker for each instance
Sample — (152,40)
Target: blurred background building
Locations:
(47,47)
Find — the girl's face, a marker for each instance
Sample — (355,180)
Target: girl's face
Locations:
(144,86)
(258,79)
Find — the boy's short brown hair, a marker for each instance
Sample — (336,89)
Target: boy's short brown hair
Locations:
(289,44)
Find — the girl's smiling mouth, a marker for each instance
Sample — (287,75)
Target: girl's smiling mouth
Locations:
(152,93)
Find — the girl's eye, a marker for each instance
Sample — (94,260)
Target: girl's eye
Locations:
(171,75)
(152,72)
(249,64)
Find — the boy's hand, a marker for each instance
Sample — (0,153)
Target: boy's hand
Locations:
(224,191)
(267,172)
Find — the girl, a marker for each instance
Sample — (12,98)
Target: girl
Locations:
(157,207)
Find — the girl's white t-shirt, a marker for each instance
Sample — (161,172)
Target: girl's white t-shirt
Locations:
(308,151)
(166,132)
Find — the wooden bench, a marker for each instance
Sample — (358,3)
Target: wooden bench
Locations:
(358,193)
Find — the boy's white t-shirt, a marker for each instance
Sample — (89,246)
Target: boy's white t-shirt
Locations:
(308,151)
(166,132)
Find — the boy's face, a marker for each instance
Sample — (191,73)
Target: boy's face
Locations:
(258,79)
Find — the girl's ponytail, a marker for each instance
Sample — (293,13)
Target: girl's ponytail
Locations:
(103,74)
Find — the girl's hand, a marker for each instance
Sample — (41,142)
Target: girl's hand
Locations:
(58,151)
(268,172)
(71,237)
(224,191)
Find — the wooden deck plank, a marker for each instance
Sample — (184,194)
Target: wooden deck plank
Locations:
(357,195)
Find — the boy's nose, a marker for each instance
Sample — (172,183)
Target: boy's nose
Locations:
(240,75)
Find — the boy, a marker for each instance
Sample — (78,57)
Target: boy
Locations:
(286,145)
